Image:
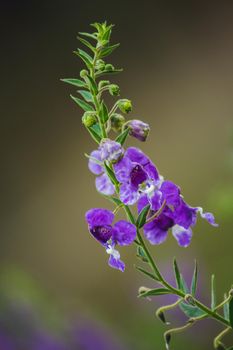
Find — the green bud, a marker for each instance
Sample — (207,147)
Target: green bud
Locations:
(114,90)
(89,119)
(109,67)
(83,73)
(117,121)
(103,83)
(100,65)
(125,105)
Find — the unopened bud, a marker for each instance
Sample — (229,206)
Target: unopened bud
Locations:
(109,67)
(100,65)
(138,129)
(114,90)
(83,73)
(103,83)
(117,121)
(89,119)
(125,105)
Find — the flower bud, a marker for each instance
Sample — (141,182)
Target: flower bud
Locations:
(103,83)
(89,119)
(100,65)
(125,105)
(117,121)
(83,73)
(114,90)
(109,67)
(110,150)
(138,129)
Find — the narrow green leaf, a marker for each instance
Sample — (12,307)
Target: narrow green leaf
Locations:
(84,105)
(226,309)
(107,33)
(103,113)
(86,43)
(231,312)
(92,84)
(111,174)
(176,272)
(86,95)
(108,50)
(115,200)
(146,273)
(154,292)
(75,82)
(213,293)
(183,285)
(141,254)
(122,137)
(191,311)
(94,134)
(88,35)
(84,57)
(141,220)
(194,280)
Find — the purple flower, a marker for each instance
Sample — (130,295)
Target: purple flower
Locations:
(102,182)
(100,224)
(138,129)
(175,214)
(110,151)
(137,175)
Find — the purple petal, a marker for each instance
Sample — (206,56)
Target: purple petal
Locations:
(128,194)
(103,184)
(124,232)
(156,231)
(116,263)
(94,167)
(182,235)
(137,156)
(155,200)
(122,169)
(155,235)
(151,171)
(99,217)
(137,176)
(207,216)
(142,203)
(110,150)
(184,215)
(102,233)
(171,193)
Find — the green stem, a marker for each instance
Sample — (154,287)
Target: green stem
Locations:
(162,281)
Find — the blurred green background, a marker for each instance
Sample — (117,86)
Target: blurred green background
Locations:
(177,58)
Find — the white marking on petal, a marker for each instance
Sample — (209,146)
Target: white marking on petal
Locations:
(112,251)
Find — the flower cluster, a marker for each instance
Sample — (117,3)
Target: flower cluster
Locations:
(140,183)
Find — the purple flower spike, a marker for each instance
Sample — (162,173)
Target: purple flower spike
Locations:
(138,129)
(110,150)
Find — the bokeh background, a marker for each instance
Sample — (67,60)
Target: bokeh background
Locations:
(56,290)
